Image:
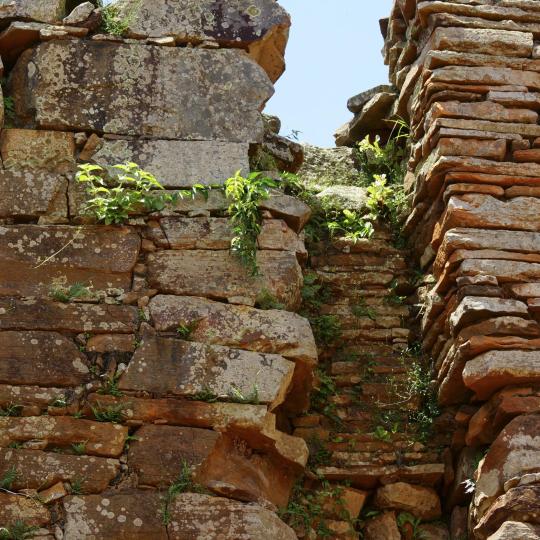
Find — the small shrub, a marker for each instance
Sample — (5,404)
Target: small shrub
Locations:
(326,328)
(79,448)
(267,301)
(9,477)
(110,386)
(236,396)
(76,486)
(204,395)
(361,309)
(111,413)
(184,331)
(11,410)
(64,294)
(17,531)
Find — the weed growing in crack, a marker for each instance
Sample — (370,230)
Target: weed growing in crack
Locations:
(17,531)
(361,309)
(62,293)
(9,478)
(79,448)
(236,396)
(109,413)
(110,386)
(11,410)
(184,331)
(204,395)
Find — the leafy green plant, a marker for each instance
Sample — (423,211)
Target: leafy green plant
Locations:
(351,225)
(383,434)
(121,190)
(65,294)
(236,395)
(266,300)
(204,395)
(408,521)
(361,309)
(115,21)
(183,484)
(246,194)
(76,485)
(11,410)
(326,329)
(79,448)
(9,477)
(110,386)
(314,293)
(17,531)
(109,413)
(184,331)
(9,111)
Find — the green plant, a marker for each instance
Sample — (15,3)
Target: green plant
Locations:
(16,445)
(204,395)
(408,521)
(11,410)
(383,434)
(361,309)
(245,214)
(121,190)
(326,329)
(183,484)
(6,481)
(9,110)
(61,293)
(116,21)
(79,448)
(59,403)
(184,331)
(351,225)
(266,300)
(76,486)
(17,531)
(110,413)
(110,386)
(314,293)
(236,396)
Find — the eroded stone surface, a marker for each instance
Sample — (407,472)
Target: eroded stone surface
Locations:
(212,518)
(420,501)
(14,508)
(179,163)
(171,366)
(49,11)
(190,93)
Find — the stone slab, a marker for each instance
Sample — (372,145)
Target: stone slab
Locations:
(225,277)
(101,439)
(179,164)
(213,518)
(160,452)
(171,366)
(266,331)
(115,92)
(14,508)
(99,257)
(133,515)
(41,358)
(33,314)
(40,470)
(33,195)
(49,11)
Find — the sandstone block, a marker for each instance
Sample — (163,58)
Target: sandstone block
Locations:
(111,343)
(196,515)
(265,331)
(53,151)
(496,369)
(133,514)
(101,439)
(495,149)
(223,87)
(483,41)
(170,366)
(49,11)
(33,194)
(510,530)
(382,526)
(179,164)
(98,257)
(529,100)
(261,27)
(40,470)
(31,314)
(14,508)
(420,501)
(159,452)
(41,358)
(225,277)
(505,271)
(293,211)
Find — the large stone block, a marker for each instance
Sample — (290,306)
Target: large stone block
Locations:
(100,257)
(133,515)
(171,366)
(33,194)
(14,508)
(41,358)
(496,369)
(421,501)
(159,452)
(510,530)
(225,277)
(179,163)
(265,331)
(100,439)
(260,26)
(33,314)
(130,89)
(49,11)
(40,470)
(213,518)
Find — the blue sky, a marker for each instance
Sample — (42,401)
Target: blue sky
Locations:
(334,52)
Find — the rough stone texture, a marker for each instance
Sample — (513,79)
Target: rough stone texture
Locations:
(344,197)
(32,149)
(227,278)
(420,501)
(510,529)
(212,518)
(383,526)
(159,452)
(14,508)
(225,88)
(50,11)
(99,257)
(33,194)
(40,470)
(170,366)
(294,212)
(132,514)
(40,358)
(260,26)
(179,163)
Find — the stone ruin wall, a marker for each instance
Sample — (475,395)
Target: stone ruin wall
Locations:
(181,95)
